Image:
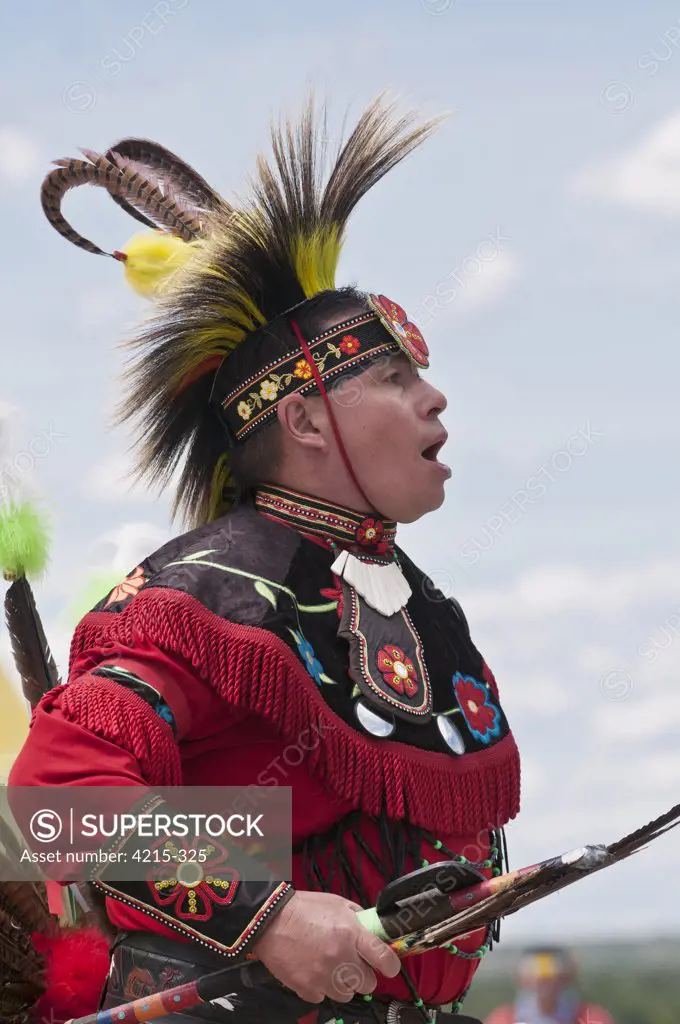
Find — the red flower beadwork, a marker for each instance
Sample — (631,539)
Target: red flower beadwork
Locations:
(128,588)
(349,345)
(405,332)
(370,531)
(334,593)
(205,883)
(482,717)
(397,669)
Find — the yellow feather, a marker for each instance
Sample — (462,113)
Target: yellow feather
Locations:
(222,477)
(316,260)
(152,260)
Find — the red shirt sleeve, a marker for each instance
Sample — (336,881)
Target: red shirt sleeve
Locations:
(66,746)
(58,752)
(78,731)
(188,697)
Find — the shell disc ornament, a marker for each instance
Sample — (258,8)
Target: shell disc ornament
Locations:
(372,722)
(450,735)
(406,334)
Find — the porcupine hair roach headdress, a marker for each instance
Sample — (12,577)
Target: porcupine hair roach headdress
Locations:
(218,355)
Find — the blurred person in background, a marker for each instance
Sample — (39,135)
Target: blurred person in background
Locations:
(548,993)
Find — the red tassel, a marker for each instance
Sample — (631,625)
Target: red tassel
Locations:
(77,963)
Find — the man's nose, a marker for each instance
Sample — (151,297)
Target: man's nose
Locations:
(434,401)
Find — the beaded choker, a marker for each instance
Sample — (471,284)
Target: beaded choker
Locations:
(363,544)
(337,525)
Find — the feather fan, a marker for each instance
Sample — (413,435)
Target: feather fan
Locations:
(30,649)
(23,911)
(509,893)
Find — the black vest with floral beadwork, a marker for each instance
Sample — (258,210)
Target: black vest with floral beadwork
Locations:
(408,709)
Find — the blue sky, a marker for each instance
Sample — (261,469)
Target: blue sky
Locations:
(534,239)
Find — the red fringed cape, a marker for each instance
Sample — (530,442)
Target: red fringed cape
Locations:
(232,625)
(254,670)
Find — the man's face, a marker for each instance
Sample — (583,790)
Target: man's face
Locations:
(546,977)
(388,418)
(548,992)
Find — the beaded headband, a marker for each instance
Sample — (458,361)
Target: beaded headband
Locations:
(386,329)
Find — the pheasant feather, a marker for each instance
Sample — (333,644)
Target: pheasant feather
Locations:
(166,171)
(139,193)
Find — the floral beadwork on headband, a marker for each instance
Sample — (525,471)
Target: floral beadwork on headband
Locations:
(336,350)
(382,329)
(274,383)
(405,333)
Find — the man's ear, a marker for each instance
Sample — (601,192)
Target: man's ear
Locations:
(303,420)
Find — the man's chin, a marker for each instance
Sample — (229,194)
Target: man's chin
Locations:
(436,503)
(431,501)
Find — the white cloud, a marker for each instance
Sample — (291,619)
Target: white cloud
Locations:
(6,414)
(557,589)
(123,548)
(23,447)
(595,658)
(468,288)
(112,479)
(493,281)
(540,695)
(598,761)
(534,780)
(6,410)
(639,718)
(19,155)
(646,177)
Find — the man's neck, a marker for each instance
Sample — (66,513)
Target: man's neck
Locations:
(339,490)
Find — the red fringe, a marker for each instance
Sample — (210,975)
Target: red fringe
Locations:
(117,714)
(76,965)
(255,671)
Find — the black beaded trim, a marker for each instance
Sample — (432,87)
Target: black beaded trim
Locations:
(228,951)
(143,689)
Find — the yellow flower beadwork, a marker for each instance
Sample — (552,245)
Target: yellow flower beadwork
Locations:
(303,369)
(244,410)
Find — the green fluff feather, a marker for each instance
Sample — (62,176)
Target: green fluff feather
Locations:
(24,540)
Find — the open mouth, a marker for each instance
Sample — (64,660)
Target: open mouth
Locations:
(431,455)
(433,451)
